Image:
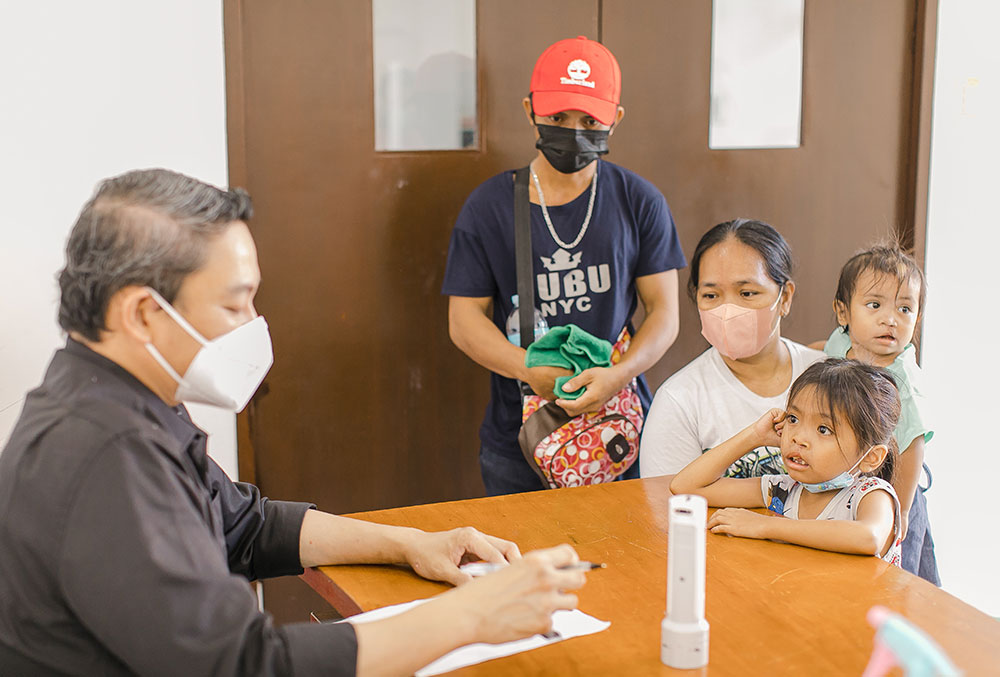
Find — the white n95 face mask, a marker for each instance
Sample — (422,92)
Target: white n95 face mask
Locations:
(227,370)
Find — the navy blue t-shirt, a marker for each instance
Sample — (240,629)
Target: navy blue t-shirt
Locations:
(631,234)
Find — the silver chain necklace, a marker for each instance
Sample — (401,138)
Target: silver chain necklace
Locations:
(548,220)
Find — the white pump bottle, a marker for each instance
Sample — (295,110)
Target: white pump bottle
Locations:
(684,630)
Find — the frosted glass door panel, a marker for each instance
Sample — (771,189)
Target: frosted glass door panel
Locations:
(425,74)
(756,74)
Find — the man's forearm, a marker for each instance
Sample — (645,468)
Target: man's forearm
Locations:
(403,644)
(332,539)
(475,335)
(657,333)
(658,294)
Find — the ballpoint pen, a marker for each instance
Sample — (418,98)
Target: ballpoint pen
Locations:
(483,568)
(583,566)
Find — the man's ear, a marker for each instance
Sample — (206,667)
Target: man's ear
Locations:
(131,312)
(787,293)
(619,114)
(526,103)
(843,315)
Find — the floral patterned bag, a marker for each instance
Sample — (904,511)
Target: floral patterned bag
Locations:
(591,448)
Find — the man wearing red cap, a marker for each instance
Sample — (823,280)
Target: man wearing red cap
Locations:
(602,239)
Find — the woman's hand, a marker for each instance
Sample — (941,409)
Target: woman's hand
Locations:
(437,555)
(768,428)
(740,522)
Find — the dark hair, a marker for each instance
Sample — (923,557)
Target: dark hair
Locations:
(882,259)
(860,396)
(146,227)
(760,236)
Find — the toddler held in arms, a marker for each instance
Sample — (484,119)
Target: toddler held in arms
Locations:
(879,301)
(836,444)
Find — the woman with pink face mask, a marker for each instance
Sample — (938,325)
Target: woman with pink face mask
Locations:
(741,281)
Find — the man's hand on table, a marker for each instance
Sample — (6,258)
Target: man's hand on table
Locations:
(437,555)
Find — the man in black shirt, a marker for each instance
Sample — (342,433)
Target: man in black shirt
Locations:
(124,548)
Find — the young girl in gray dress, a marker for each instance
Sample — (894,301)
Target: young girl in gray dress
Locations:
(837,447)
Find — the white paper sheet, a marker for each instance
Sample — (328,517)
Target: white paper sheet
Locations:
(476,569)
(566,623)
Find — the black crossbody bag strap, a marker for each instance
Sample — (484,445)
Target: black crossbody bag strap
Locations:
(522,253)
(522,256)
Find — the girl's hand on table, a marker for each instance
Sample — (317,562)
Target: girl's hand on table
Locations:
(739,522)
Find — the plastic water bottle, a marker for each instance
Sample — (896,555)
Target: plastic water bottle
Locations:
(514,324)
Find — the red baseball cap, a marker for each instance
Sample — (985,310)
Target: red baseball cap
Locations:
(577,74)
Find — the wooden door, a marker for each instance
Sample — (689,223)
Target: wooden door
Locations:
(368,404)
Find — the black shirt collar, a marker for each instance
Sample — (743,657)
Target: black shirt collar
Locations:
(83,363)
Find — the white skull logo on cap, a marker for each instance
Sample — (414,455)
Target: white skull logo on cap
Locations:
(578,69)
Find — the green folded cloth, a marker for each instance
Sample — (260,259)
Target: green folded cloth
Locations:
(571,348)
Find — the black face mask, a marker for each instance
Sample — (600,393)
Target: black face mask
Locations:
(570,150)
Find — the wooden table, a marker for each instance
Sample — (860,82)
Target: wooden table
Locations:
(774,609)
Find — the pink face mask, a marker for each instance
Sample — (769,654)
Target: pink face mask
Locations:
(738,332)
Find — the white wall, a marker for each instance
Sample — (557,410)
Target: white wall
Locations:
(89,90)
(961,325)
